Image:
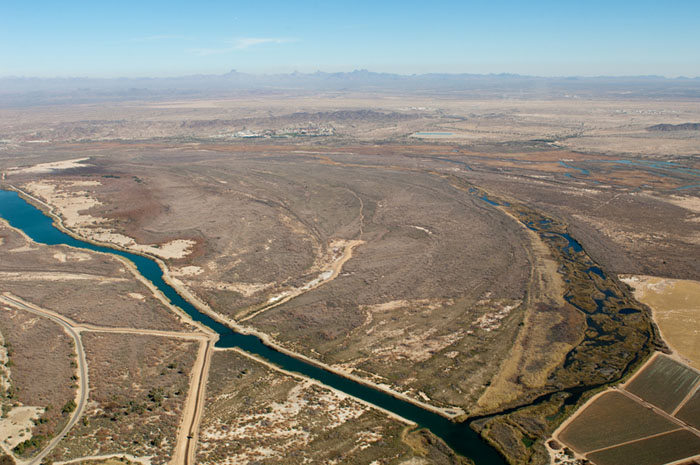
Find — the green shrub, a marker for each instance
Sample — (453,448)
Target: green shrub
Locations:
(30,444)
(69,407)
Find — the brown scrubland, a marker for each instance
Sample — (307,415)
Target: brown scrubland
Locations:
(418,244)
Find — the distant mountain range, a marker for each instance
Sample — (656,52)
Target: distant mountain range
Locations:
(18,91)
(675,127)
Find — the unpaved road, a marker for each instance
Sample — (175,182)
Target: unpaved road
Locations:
(192,411)
(334,270)
(194,408)
(82,369)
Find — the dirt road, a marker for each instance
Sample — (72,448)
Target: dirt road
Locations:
(82,393)
(192,412)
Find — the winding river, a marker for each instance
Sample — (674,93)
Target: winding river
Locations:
(459,436)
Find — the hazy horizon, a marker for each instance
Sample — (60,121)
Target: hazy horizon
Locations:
(351,71)
(161,39)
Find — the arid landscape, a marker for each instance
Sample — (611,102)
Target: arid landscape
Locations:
(525,265)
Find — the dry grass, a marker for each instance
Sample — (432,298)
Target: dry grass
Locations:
(256,415)
(535,354)
(159,170)
(690,412)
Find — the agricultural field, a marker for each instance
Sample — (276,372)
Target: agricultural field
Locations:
(664,383)
(657,450)
(622,426)
(613,419)
(690,412)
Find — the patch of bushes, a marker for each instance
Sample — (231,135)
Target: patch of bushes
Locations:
(69,407)
(30,444)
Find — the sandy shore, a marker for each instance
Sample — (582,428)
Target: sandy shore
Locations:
(71,207)
(43,168)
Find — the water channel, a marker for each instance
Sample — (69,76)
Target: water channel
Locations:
(459,436)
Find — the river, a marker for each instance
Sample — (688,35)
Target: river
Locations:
(459,436)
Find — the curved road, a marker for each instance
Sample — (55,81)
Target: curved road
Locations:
(192,411)
(82,368)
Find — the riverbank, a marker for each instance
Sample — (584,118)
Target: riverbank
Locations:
(449,413)
(458,436)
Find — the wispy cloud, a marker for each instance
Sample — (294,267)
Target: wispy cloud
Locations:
(241,44)
(160,37)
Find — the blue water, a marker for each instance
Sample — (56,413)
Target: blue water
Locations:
(584,172)
(573,244)
(655,164)
(629,311)
(690,186)
(659,164)
(459,436)
(456,162)
(596,270)
(486,199)
(489,201)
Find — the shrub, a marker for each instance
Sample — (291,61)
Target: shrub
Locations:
(69,407)
(33,443)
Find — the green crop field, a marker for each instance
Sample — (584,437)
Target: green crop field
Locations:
(611,419)
(658,450)
(664,383)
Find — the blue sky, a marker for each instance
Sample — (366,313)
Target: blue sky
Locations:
(538,37)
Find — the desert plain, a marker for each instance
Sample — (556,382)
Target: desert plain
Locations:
(491,260)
